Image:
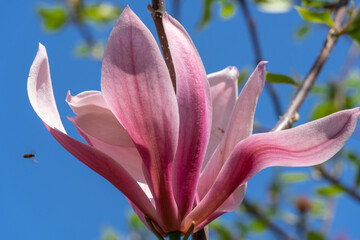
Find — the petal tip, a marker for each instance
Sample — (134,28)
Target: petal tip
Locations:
(127,11)
(42,47)
(68,97)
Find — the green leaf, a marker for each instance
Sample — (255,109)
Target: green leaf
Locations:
(206,15)
(228,10)
(302,31)
(314,236)
(258,225)
(53,18)
(101,13)
(353,158)
(357,178)
(319,4)
(316,17)
(324,109)
(354,28)
(294,177)
(329,191)
(279,78)
(244,74)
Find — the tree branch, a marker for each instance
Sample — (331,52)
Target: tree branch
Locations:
(75,9)
(157,11)
(258,55)
(329,177)
(251,209)
(331,39)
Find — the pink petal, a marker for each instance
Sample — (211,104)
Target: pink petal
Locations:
(100,128)
(40,90)
(137,88)
(193,95)
(85,101)
(306,145)
(224,89)
(232,203)
(127,157)
(42,100)
(239,127)
(95,119)
(143,220)
(108,168)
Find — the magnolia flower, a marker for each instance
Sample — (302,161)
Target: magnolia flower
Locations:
(179,158)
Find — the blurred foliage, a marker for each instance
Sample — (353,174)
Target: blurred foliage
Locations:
(227,10)
(294,177)
(315,16)
(274,6)
(329,191)
(337,95)
(315,236)
(81,14)
(280,78)
(354,27)
(53,18)
(100,13)
(302,31)
(110,234)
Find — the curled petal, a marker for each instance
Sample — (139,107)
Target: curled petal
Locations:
(239,127)
(96,120)
(42,100)
(193,96)
(305,145)
(40,91)
(137,88)
(85,102)
(224,89)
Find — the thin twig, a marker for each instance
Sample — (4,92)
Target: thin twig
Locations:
(331,39)
(157,11)
(258,55)
(75,8)
(329,177)
(250,208)
(352,56)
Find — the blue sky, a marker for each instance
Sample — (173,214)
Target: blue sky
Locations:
(59,198)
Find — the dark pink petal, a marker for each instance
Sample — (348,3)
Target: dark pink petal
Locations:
(224,90)
(193,95)
(42,100)
(239,127)
(137,88)
(305,145)
(232,203)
